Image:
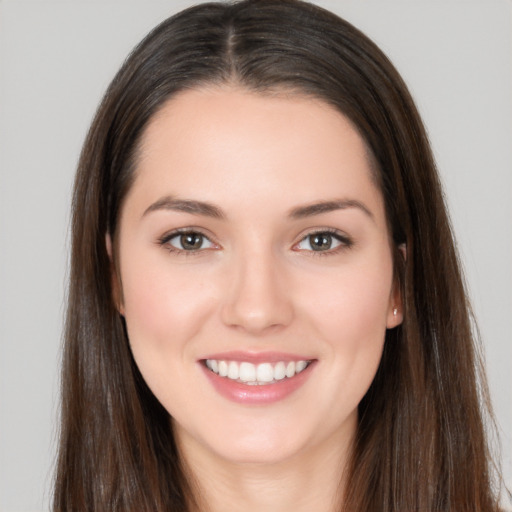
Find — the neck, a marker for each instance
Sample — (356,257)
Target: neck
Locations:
(312,480)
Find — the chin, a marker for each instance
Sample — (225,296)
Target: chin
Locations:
(259,442)
(260,452)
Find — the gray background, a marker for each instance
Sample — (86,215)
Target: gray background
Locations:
(56,59)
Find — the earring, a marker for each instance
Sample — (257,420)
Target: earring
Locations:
(395,311)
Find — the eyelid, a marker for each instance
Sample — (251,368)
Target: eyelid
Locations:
(346,242)
(169,235)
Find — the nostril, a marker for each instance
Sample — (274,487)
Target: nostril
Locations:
(258,315)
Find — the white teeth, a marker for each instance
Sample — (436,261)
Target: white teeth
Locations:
(265,372)
(223,368)
(300,365)
(279,371)
(233,372)
(249,373)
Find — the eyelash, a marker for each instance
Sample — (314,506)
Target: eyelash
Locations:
(345,242)
(164,241)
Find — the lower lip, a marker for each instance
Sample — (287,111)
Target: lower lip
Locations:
(257,394)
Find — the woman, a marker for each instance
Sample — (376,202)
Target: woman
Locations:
(264,286)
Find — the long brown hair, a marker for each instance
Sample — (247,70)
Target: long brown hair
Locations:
(421,443)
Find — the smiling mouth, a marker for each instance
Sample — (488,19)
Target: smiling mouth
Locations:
(256,374)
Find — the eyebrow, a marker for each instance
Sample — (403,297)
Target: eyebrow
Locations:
(187,206)
(329,206)
(210,210)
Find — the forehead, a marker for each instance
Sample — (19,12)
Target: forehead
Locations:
(224,142)
(250,115)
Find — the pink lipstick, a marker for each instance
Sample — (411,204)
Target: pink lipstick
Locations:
(251,378)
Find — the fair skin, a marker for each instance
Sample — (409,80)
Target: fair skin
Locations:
(283,260)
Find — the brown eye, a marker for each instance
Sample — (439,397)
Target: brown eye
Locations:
(320,241)
(189,241)
(323,241)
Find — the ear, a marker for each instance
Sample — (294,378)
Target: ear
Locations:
(396,305)
(117,294)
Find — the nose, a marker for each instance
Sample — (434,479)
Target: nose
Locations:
(259,299)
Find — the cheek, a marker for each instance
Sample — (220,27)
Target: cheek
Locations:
(164,312)
(164,308)
(351,319)
(355,300)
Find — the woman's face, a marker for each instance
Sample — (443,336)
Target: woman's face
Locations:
(255,273)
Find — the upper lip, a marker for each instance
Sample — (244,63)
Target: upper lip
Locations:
(256,357)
